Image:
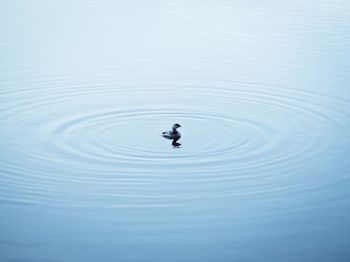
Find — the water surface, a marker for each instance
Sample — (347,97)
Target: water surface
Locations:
(260,89)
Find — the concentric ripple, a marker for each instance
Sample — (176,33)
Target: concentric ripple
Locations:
(90,144)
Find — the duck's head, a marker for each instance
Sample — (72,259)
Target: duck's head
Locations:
(176,126)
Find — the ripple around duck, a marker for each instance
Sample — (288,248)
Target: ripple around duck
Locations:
(240,138)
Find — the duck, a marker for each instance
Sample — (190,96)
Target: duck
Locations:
(172,134)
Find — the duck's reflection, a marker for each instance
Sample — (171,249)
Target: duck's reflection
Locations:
(175,144)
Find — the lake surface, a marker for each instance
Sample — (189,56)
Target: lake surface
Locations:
(260,88)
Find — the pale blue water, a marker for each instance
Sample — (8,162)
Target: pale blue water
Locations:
(261,89)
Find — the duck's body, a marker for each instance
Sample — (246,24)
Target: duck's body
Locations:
(172,134)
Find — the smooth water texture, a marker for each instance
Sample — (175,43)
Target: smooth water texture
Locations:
(260,88)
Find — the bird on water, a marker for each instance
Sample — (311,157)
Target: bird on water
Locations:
(173,135)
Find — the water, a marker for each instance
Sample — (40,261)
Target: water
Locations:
(260,89)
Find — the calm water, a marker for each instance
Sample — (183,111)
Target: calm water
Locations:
(260,88)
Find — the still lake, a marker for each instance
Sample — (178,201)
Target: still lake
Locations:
(260,88)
